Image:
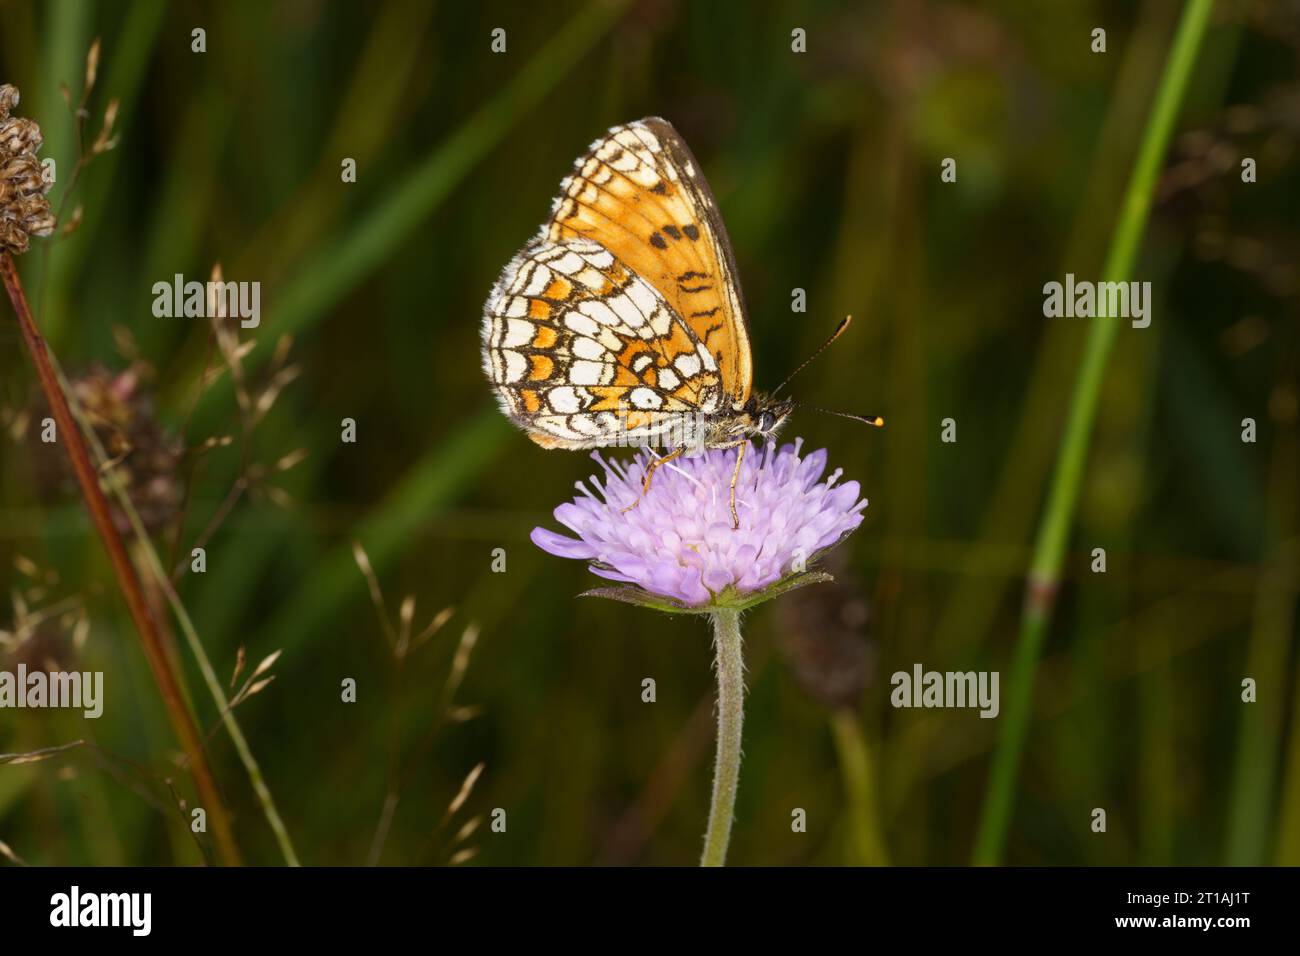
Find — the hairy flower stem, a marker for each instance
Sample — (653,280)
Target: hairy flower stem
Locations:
(154,649)
(728,644)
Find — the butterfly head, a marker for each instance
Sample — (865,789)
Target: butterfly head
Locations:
(769,414)
(761,416)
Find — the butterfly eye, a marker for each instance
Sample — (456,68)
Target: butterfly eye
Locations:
(766,421)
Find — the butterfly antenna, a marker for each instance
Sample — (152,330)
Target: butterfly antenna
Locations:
(874,420)
(808,361)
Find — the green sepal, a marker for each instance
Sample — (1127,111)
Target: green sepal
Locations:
(728,598)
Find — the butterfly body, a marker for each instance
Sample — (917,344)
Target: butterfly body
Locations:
(762,417)
(622,322)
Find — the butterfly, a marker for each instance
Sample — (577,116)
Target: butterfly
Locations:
(622,322)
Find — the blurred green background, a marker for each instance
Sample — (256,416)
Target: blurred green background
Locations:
(826,165)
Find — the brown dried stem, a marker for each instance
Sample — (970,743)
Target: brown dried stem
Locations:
(128,581)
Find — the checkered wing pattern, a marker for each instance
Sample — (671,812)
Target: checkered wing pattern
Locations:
(624,314)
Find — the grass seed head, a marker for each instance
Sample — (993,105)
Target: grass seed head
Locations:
(24,210)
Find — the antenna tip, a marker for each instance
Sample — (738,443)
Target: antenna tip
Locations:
(876,420)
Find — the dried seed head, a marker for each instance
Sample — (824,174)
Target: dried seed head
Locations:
(143,453)
(24,210)
(826,637)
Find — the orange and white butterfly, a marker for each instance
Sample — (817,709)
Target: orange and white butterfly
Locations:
(622,321)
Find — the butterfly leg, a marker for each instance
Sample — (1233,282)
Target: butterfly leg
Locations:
(735,477)
(649,474)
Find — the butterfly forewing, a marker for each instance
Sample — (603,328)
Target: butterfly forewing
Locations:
(640,193)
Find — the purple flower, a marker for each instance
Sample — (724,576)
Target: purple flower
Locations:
(678,544)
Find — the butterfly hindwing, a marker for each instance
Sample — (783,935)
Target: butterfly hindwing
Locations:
(583,352)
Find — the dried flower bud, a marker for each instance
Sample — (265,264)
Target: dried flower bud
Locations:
(24,210)
(825,635)
(143,454)
(45,645)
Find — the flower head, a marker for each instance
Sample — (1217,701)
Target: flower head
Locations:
(677,547)
(24,210)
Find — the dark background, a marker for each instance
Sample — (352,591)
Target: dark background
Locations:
(826,166)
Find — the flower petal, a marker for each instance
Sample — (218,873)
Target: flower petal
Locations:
(560,546)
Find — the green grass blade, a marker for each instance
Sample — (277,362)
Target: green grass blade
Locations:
(339,266)
(1058,517)
(430,484)
(124,66)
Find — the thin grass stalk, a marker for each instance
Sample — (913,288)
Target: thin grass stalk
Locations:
(1256,824)
(1058,516)
(162,580)
(857,766)
(213,683)
(1286,844)
(182,721)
